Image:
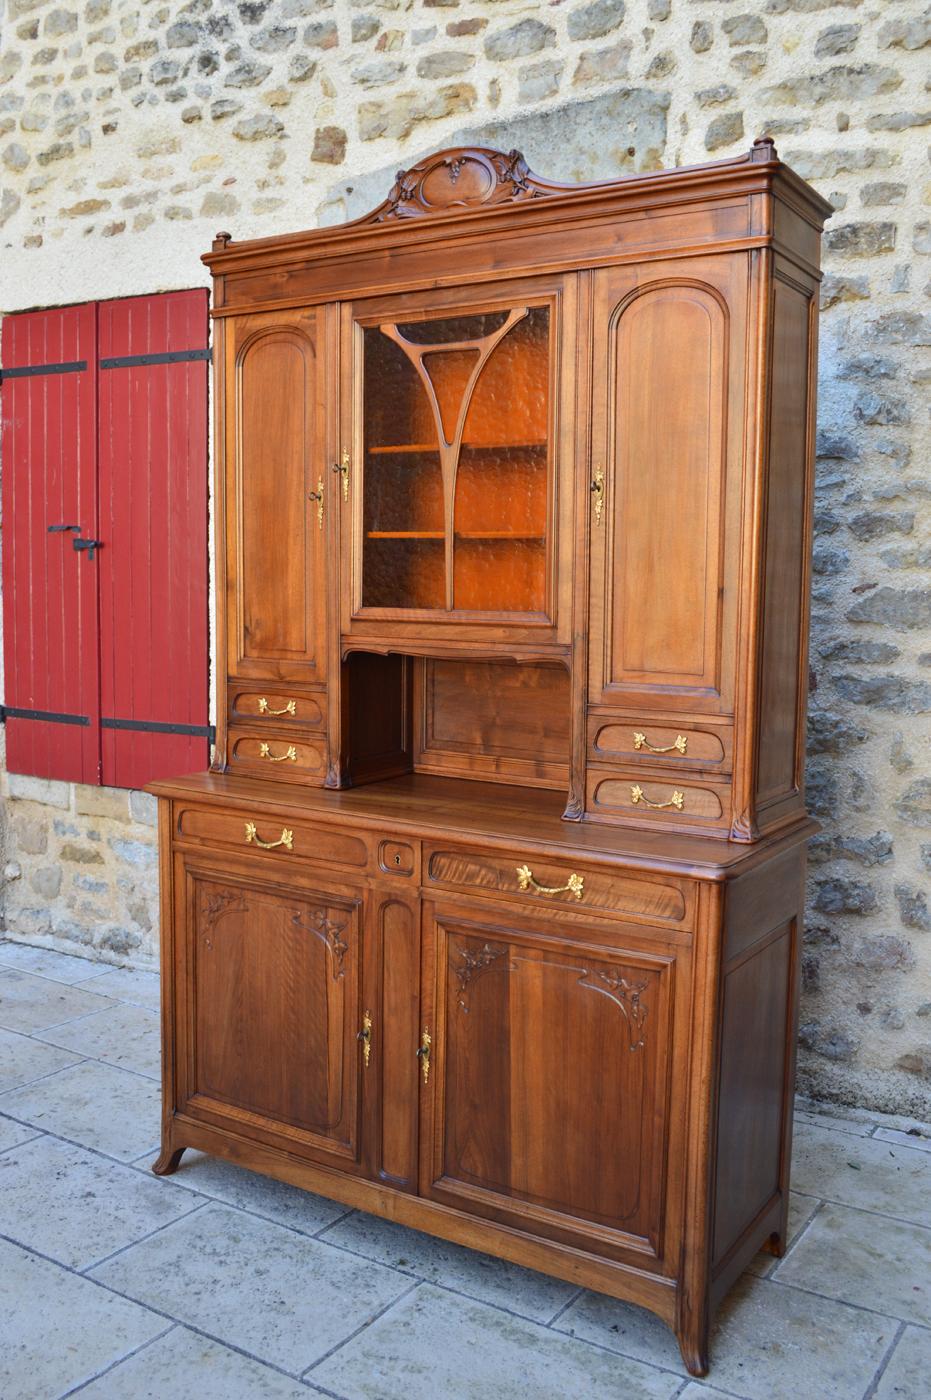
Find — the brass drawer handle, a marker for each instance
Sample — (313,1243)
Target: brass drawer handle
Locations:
(423,1053)
(286,838)
(677,800)
(289,756)
(289,709)
(642,742)
(365,1036)
(526,881)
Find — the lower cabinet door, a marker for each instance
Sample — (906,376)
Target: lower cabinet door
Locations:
(267,979)
(549,1097)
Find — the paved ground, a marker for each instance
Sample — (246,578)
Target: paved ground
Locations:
(219,1284)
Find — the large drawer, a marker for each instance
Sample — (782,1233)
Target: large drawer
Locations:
(573,886)
(282,840)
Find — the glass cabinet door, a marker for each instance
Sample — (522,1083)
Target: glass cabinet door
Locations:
(458,461)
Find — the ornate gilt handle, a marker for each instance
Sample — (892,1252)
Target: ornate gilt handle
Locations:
(289,756)
(286,838)
(526,881)
(318,497)
(598,492)
(289,709)
(423,1053)
(677,800)
(365,1036)
(343,469)
(642,742)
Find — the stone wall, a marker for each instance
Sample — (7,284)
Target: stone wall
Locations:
(130,132)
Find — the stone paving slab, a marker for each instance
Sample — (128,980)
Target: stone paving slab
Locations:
(184,1364)
(77,1207)
(865,1259)
(46,962)
(276,1200)
(58,1329)
(489,1280)
(29,1003)
(880,1176)
(908,1373)
(766,1340)
(435,1344)
(12,1134)
(23,1060)
(108,1109)
(283,1297)
(122,1035)
(132,985)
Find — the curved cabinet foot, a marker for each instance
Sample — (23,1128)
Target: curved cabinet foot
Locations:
(693,1344)
(167,1161)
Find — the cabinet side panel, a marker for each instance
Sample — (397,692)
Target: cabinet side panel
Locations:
(785,572)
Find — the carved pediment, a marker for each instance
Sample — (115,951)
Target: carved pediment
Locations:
(465,177)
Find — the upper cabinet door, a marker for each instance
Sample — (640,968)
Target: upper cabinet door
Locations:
(275,478)
(666,459)
(455,463)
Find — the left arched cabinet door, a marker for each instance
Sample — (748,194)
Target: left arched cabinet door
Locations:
(274,457)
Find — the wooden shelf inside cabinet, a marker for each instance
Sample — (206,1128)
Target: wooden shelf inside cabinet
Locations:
(413,448)
(460,535)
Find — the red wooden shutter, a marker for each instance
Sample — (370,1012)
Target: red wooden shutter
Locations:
(49,505)
(153,507)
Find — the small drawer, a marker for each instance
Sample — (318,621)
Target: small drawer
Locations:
(279,708)
(277,755)
(670,745)
(644,799)
(544,883)
(261,831)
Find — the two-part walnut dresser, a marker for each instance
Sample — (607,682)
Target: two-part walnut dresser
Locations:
(487,917)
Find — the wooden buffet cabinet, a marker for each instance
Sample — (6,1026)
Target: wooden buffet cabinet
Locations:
(487,917)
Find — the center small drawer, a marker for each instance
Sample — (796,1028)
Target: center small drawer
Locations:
(544,883)
(256,831)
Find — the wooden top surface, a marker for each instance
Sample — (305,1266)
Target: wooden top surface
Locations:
(466,187)
(487,814)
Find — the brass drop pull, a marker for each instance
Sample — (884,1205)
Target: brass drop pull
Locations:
(642,742)
(318,497)
(289,756)
(342,468)
(286,838)
(598,492)
(677,800)
(289,709)
(365,1036)
(525,879)
(423,1054)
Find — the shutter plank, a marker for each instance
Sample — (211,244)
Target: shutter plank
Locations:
(49,589)
(153,474)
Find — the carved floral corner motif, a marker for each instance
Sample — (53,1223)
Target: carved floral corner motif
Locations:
(328,931)
(475,962)
(626,995)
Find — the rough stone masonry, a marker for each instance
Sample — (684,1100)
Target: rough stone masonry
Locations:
(130,130)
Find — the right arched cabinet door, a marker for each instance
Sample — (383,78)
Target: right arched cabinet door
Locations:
(668,422)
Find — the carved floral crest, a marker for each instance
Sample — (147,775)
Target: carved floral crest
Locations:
(460,179)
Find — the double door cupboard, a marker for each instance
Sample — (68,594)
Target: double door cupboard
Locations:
(486,918)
